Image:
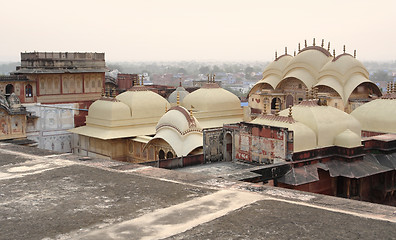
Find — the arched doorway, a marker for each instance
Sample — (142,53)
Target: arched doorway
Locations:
(161,154)
(9,89)
(273,103)
(289,101)
(228,147)
(169,155)
(29,91)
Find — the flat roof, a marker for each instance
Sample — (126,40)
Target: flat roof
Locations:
(44,194)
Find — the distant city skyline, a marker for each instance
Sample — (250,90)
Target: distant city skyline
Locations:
(176,30)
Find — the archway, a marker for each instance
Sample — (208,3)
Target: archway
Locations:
(9,89)
(273,103)
(289,101)
(228,147)
(169,155)
(161,154)
(29,91)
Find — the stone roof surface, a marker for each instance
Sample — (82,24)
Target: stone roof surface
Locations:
(48,195)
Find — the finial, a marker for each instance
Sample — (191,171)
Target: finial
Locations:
(180,80)
(313,43)
(113,92)
(387,87)
(178,99)
(103,92)
(344,49)
(276,55)
(290,112)
(277,107)
(334,55)
(305,43)
(322,45)
(285,50)
(214,78)
(299,47)
(191,114)
(208,75)
(316,91)
(294,53)
(306,94)
(328,47)
(265,107)
(354,53)
(393,87)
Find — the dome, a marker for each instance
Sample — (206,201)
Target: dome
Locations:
(144,104)
(347,139)
(311,58)
(377,116)
(327,122)
(304,137)
(173,96)
(109,110)
(180,119)
(344,65)
(211,100)
(180,130)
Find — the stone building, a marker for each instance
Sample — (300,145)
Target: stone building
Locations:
(341,79)
(12,118)
(140,125)
(56,88)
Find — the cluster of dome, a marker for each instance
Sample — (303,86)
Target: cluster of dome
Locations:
(315,66)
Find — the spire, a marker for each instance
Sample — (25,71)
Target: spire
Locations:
(344,49)
(294,54)
(313,42)
(290,112)
(180,80)
(285,50)
(387,87)
(306,94)
(299,47)
(208,77)
(322,45)
(276,55)
(305,41)
(265,107)
(316,91)
(178,98)
(214,78)
(334,55)
(354,53)
(328,47)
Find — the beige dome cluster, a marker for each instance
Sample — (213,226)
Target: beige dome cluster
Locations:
(315,66)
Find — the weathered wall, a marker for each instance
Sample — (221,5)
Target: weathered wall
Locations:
(49,130)
(213,144)
(12,126)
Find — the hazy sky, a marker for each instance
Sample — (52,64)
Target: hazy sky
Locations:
(196,30)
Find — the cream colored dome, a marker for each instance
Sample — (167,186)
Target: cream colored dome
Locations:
(173,96)
(304,137)
(311,58)
(211,100)
(109,110)
(144,104)
(327,122)
(377,116)
(180,119)
(348,139)
(344,65)
(180,130)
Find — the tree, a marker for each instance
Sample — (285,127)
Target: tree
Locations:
(248,72)
(204,70)
(380,75)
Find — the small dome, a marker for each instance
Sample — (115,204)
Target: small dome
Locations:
(347,139)
(173,96)
(344,64)
(313,58)
(144,104)
(377,116)
(211,100)
(327,122)
(178,118)
(109,110)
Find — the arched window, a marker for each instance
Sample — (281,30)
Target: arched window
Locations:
(273,103)
(28,91)
(161,154)
(169,155)
(9,89)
